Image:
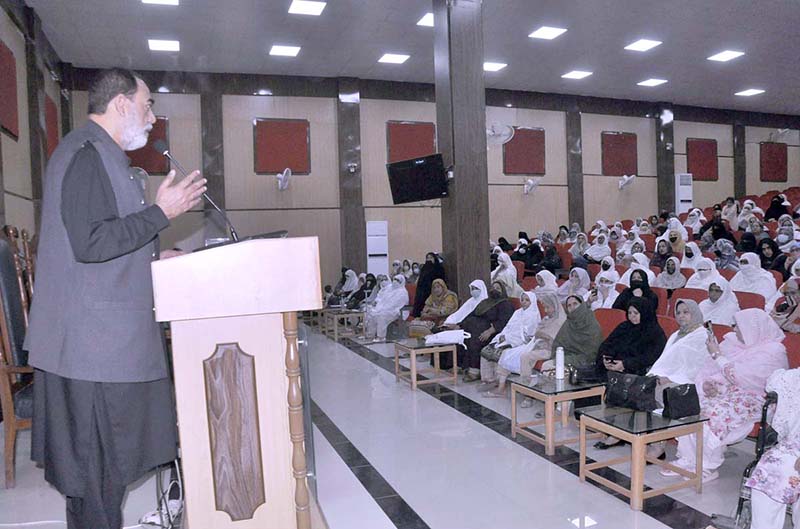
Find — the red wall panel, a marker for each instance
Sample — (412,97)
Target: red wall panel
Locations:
(701,159)
(51,125)
(619,156)
(147,157)
(9,113)
(524,154)
(773,162)
(282,143)
(406,140)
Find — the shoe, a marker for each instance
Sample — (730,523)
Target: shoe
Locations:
(494,395)
(469,377)
(671,473)
(602,445)
(657,450)
(167,512)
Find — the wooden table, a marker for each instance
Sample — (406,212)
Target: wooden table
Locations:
(416,347)
(339,322)
(639,428)
(551,392)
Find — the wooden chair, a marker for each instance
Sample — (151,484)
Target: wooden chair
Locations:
(16,387)
(24,281)
(609,319)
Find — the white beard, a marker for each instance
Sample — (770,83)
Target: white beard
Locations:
(134,137)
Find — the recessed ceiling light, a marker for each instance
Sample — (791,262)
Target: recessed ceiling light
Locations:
(394,58)
(284,51)
(426,20)
(547,33)
(306,7)
(652,82)
(576,74)
(642,45)
(750,92)
(164,45)
(493,66)
(162,2)
(725,56)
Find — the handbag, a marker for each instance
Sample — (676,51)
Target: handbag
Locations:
(493,351)
(631,391)
(584,374)
(681,401)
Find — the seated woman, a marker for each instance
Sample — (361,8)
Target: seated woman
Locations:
(607,264)
(391,299)
(431,269)
(726,255)
(663,252)
(506,274)
(695,220)
(768,251)
(776,208)
(518,331)
(545,281)
(747,243)
(785,261)
(563,235)
(373,296)
(360,296)
(489,318)
(439,305)
(522,359)
(580,336)
(705,273)
(346,286)
(596,252)
(752,278)
(520,252)
(633,347)
(533,256)
(625,249)
(551,261)
(731,386)
(775,482)
(639,289)
(671,277)
(618,232)
(691,255)
(639,262)
(415,269)
(721,305)
(578,284)
(604,294)
(579,248)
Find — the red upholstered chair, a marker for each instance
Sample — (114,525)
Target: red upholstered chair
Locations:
(663,300)
(649,241)
(560,281)
(669,325)
(515,302)
(678,256)
(792,344)
(412,292)
(627,224)
(529,283)
(520,266)
(727,274)
(655,269)
(695,294)
(593,270)
(720,331)
(683,216)
(621,269)
(709,255)
(738,235)
(778,278)
(620,287)
(749,300)
(609,319)
(613,246)
(687,272)
(565,256)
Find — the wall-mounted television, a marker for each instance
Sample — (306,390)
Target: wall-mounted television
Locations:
(417,179)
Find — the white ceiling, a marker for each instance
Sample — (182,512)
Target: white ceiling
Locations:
(350,36)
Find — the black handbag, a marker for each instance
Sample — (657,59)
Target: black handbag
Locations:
(631,391)
(681,401)
(584,374)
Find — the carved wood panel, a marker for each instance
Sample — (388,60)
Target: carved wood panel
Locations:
(233,429)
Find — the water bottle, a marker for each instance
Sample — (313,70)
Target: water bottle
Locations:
(559,363)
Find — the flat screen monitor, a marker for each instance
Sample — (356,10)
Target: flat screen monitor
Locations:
(417,179)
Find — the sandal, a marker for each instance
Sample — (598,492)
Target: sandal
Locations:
(602,445)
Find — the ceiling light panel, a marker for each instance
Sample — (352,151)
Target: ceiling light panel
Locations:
(643,45)
(576,74)
(394,58)
(493,66)
(306,7)
(164,45)
(725,56)
(547,33)
(284,51)
(426,20)
(750,92)
(652,82)
(162,2)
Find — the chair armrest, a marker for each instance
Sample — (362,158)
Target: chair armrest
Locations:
(19,369)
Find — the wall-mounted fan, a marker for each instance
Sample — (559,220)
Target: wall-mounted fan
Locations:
(778,135)
(530,185)
(498,134)
(626,180)
(283,179)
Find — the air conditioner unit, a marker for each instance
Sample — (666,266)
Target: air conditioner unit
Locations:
(683,192)
(378,247)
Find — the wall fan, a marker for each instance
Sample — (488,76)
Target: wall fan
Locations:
(530,185)
(626,180)
(498,134)
(283,179)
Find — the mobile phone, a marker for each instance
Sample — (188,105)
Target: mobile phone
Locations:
(710,329)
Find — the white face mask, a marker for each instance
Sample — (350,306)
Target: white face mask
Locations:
(475,293)
(385,283)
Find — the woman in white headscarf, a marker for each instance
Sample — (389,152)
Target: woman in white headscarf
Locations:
(397,267)
(787,233)
(607,264)
(674,224)
(753,207)
(600,225)
(640,262)
(579,248)
(577,284)
(506,274)
(721,305)
(691,256)
(626,248)
(390,301)
(518,331)
(671,277)
(477,293)
(705,272)
(752,278)
(605,293)
(600,249)
(617,232)
(546,282)
(695,220)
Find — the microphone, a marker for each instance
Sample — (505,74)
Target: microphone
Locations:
(162,147)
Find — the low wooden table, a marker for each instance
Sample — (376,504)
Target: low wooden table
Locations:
(550,391)
(639,428)
(415,347)
(339,322)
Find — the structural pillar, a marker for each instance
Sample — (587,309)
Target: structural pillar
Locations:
(36,126)
(739,161)
(574,167)
(665,158)
(461,135)
(213,159)
(352,222)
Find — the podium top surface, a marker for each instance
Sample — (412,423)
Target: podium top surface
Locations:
(250,277)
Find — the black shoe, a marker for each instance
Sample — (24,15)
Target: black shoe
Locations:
(601,445)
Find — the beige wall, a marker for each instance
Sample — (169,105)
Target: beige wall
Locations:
(602,197)
(16,152)
(754,136)
(707,193)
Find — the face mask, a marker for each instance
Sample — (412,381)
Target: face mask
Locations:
(783,238)
(718,253)
(637,283)
(605,266)
(689,254)
(385,284)
(672,238)
(522,251)
(495,294)
(415,269)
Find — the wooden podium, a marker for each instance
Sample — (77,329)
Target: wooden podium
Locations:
(237,379)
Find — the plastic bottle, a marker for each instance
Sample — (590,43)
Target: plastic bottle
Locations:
(559,363)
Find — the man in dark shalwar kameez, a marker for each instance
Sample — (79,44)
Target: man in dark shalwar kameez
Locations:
(103,406)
